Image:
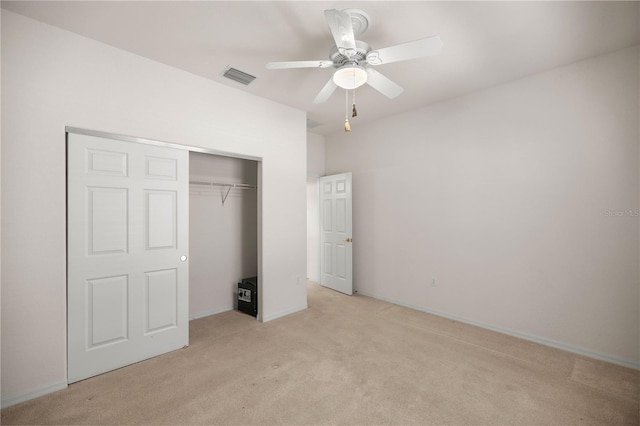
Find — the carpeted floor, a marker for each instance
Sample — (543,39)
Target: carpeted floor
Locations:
(347,360)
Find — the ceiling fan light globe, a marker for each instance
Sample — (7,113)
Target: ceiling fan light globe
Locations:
(350,77)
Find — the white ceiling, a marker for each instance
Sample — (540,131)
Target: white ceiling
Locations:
(485,43)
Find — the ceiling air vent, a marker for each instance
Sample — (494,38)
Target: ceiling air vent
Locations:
(312,123)
(239,76)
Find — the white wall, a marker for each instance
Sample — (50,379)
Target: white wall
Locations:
(52,78)
(509,198)
(223,243)
(315,155)
(315,169)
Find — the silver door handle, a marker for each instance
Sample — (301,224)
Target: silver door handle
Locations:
(183,258)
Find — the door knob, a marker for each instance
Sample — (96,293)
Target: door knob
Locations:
(348,240)
(183,258)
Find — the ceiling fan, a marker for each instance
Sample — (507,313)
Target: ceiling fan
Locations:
(352,58)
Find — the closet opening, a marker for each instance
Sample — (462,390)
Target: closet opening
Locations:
(223,231)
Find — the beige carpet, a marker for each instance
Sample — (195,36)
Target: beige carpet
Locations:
(347,360)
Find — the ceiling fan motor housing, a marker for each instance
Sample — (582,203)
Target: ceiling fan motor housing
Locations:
(340,60)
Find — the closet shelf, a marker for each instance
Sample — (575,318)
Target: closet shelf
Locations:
(229,187)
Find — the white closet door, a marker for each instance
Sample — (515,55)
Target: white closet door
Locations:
(128,275)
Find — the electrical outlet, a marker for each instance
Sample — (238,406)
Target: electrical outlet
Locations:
(434,283)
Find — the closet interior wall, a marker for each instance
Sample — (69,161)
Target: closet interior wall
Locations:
(223,242)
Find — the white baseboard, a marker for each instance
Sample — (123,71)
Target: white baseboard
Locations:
(208,313)
(271,317)
(526,336)
(16,399)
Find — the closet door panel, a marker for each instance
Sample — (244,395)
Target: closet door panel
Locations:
(128,228)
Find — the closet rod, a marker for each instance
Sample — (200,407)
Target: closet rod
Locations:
(231,185)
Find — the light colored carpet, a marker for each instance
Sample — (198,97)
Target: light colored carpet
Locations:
(347,360)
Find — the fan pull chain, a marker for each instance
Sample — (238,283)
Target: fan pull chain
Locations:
(347,126)
(354,111)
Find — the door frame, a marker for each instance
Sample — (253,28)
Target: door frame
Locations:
(190,148)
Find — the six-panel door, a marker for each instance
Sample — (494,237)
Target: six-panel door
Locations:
(128,226)
(335,232)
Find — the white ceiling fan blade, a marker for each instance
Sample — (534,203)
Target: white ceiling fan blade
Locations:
(382,84)
(428,46)
(298,64)
(342,30)
(326,92)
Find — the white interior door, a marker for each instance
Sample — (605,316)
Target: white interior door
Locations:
(335,232)
(127,248)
